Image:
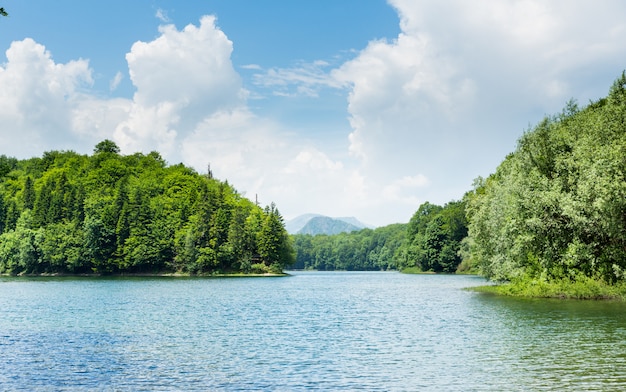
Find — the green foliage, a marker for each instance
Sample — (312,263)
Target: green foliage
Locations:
(108,213)
(106,146)
(274,244)
(582,287)
(434,236)
(364,250)
(555,209)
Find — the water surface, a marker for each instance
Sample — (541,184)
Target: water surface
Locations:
(310,331)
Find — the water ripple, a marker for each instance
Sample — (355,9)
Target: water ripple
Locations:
(312,331)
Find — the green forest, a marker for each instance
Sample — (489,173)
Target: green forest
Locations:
(554,211)
(430,242)
(363,250)
(112,214)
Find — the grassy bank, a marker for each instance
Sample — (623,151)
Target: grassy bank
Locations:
(583,288)
(414,270)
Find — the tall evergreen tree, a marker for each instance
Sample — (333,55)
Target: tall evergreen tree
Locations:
(29,193)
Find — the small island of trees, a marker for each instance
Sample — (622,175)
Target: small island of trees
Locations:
(114,214)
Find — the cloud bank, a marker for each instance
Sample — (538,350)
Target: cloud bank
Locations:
(429,110)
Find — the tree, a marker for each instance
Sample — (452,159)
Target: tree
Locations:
(434,236)
(29,193)
(6,165)
(363,250)
(98,244)
(556,207)
(274,243)
(3,12)
(108,213)
(106,146)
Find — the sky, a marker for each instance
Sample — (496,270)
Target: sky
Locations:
(362,108)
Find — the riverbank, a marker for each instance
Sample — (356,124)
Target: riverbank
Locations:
(415,271)
(148,275)
(582,289)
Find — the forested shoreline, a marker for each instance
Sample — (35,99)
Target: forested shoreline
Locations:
(67,213)
(552,215)
(430,242)
(551,220)
(363,250)
(554,212)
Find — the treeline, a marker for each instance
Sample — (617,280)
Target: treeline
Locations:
(108,213)
(431,241)
(555,209)
(364,250)
(434,237)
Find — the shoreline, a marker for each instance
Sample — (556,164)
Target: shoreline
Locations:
(586,290)
(145,275)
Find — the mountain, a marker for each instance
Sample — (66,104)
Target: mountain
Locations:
(294,225)
(326,225)
(320,224)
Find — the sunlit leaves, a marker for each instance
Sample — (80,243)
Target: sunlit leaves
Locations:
(108,213)
(556,207)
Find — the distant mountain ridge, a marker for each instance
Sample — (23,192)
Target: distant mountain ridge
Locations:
(294,225)
(319,224)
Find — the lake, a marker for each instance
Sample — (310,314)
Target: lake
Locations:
(376,331)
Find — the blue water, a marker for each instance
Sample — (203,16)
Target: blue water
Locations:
(311,331)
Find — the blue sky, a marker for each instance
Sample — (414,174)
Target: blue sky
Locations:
(344,108)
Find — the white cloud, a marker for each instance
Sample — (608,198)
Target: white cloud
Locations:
(254,67)
(181,77)
(115,82)
(311,159)
(37,98)
(186,66)
(429,110)
(404,190)
(450,95)
(305,79)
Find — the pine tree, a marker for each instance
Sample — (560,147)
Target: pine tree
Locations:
(29,193)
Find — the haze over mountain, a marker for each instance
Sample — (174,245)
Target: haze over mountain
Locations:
(320,224)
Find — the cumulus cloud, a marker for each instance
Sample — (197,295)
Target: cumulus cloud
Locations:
(262,158)
(181,77)
(429,110)
(405,189)
(448,97)
(37,98)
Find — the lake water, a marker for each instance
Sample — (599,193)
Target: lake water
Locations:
(377,331)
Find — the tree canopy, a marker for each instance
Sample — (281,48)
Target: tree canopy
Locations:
(431,241)
(556,207)
(364,250)
(434,236)
(108,213)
